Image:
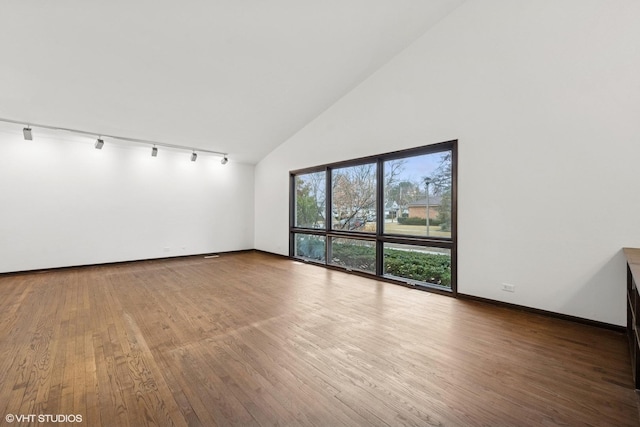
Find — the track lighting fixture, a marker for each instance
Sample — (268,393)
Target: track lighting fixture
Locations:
(28,135)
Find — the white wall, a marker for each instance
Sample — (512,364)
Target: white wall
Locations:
(544,97)
(64,203)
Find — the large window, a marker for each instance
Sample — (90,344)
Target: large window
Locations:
(392,216)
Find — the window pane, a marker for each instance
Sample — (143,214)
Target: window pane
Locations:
(418,263)
(354,198)
(413,187)
(354,254)
(310,200)
(309,246)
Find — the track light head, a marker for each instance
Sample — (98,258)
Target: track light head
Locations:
(154,151)
(99,144)
(194,156)
(224,160)
(28,136)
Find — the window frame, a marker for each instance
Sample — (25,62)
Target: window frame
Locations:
(294,207)
(379,237)
(333,168)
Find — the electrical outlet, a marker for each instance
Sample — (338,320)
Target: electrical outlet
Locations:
(508,288)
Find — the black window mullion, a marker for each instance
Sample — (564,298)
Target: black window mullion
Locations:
(328,222)
(292,213)
(380,217)
(454,219)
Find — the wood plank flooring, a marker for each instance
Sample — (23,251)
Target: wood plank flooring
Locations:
(253,339)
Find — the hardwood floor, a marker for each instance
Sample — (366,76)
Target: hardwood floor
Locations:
(254,339)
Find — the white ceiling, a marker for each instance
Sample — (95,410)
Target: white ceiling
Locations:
(237,76)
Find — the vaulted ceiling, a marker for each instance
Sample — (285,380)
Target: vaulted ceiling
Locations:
(237,76)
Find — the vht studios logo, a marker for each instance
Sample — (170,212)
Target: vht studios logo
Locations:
(43,418)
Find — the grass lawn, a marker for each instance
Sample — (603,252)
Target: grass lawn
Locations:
(415,230)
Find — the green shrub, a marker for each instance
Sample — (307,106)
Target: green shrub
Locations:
(414,220)
(419,266)
(423,267)
(361,257)
(310,246)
